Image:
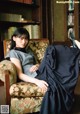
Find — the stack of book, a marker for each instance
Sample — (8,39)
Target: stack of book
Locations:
(10,17)
(34,31)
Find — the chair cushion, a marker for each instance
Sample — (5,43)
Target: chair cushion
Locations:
(39,48)
(25,105)
(25,89)
(8,65)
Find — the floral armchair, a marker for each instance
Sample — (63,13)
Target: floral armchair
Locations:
(23,97)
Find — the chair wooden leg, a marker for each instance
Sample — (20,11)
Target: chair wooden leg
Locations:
(7,85)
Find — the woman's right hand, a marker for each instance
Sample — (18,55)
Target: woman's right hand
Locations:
(42,84)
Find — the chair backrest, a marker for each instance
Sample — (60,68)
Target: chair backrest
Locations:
(37,45)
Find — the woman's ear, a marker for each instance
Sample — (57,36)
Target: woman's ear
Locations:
(14,39)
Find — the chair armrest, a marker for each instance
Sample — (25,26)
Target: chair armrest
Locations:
(8,76)
(7,66)
(25,89)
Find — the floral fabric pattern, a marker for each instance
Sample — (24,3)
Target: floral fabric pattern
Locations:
(38,48)
(25,105)
(25,89)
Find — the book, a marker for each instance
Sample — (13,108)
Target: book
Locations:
(34,31)
(10,17)
(29,29)
(28,1)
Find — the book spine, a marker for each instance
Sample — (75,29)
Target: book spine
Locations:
(27,1)
(36,32)
(29,28)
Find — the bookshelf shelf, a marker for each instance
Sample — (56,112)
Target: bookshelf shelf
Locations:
(72,11)
(70,26)
(10,23)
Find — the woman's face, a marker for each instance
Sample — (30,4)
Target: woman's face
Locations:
(21,41)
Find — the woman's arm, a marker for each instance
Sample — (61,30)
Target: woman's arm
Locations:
(42,84)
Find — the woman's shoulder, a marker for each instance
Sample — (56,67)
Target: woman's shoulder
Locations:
(13,53)
(12,50)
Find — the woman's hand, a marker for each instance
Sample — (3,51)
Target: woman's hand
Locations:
(34,68)
(42,84)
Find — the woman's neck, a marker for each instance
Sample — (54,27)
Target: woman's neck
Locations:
(20,49)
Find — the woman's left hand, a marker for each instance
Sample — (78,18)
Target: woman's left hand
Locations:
(34,68)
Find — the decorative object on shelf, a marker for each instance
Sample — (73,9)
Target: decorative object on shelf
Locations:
(10,17)
(70,19)
(71,36)
(71,5)
(71,32)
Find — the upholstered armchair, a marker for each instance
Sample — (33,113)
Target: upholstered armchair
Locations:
(21,96)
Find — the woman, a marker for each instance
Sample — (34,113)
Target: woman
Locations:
(24,59)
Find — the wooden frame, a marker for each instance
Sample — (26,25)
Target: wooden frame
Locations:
(6,84)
